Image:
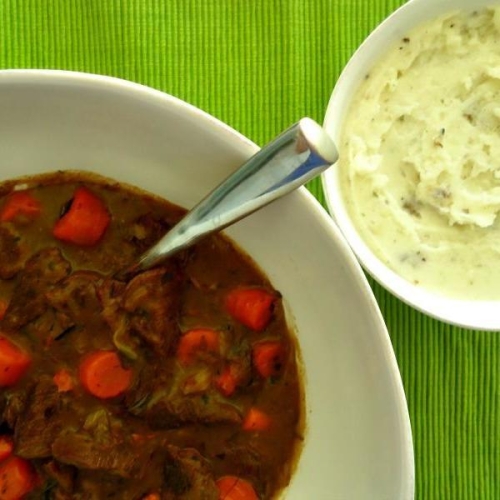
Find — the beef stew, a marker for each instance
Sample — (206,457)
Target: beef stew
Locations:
(181,383)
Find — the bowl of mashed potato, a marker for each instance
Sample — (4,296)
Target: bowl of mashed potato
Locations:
(416,191)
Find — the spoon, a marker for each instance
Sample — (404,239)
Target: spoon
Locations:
(296,156)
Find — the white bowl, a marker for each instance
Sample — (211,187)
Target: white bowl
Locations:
(466,313)
(358,442)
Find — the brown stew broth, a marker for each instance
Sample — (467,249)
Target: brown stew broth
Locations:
(137,419)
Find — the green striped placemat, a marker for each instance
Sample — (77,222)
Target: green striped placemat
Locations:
(259,65)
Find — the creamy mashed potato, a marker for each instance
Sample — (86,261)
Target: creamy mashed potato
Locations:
(420,156)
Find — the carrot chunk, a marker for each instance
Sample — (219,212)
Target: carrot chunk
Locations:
(197,342)
(152,496)
(63,380)
(256,420)
(102,374)
(268,358)
(226,382)
(86,220)
(253,307)
(6,447)
(13,362)
(17,478)
(235,488)
(4,304)
(20,204)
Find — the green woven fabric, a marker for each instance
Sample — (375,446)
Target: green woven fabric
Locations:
(259,65)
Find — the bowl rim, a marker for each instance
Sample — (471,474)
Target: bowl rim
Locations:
(248,148)
(478,315)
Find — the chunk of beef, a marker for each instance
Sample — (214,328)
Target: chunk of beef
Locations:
(151,301)
(12,252)
(100,444)
(56,494)
(180,409)
(15,403)
(160,397)
(97,485)
(129,471)
(188,476)
(28,301)
(150,382)
(147,308)
(103,444)
(76,296)
(83,451)
(62,477)
(40,421)
(49,326)
(110,295)
(48,266)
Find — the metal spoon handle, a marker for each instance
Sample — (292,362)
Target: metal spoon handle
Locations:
(289,161)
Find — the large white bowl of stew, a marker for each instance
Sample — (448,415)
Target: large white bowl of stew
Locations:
(254,366)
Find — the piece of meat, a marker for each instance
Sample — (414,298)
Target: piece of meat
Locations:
(63,477)
(107,448)
(40,421)
(146,309)
(28,302)
(76,296)
(97,485)
(180,409)
(101,444)
(51,325)
(15,403)
(188,476)
(12,252)
(46,266)
(151,301)
(58,494)
(159,396)
(150,382)
(83,451)
(129,471)
(110,294)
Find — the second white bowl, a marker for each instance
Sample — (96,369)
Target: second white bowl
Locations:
(467,313)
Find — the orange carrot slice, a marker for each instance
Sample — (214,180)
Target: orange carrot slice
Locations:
(256,420)
(6,447)
(102,374)
(268,358)
(63,380)
(197,341)
(17,478)
(226,382)
(235,488)
(252,307)
(86,220)
(13,362)
(152,496)
(4,304)
(20,204)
